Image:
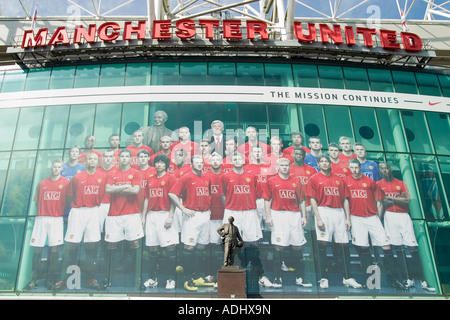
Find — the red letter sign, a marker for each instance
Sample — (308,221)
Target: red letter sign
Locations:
(411,41)
(161,29)
(232,29)
(254,27)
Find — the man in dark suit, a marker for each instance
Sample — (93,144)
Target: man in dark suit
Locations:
(217,140)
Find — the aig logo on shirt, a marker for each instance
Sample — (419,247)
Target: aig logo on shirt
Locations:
(91,189)
(331,191)
(242,189)
(359,194)
(287,194)
(51,195)
(202,191)
(156,193)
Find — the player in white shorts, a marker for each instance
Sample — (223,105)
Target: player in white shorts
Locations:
(285,211)
(87,189)
(366,208)
(329,201)
(109,160)
(161,236)
(399,226)
(48,228)
(194,188)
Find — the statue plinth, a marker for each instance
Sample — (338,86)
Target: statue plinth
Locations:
(231,282)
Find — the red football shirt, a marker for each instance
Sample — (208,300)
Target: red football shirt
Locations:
(284,193)
(179,172)
(246,149)
(329,191)
(240,190)
(107,196)
(345,158)
(194,191)
(394,189)
(157,192)
(303,174)
(82,157)
(51,197)
(87,189)
(341,169)
(272,159)
(217,207)
(122,204)
(363,195)
(290,150)
(262,172)
(134,152)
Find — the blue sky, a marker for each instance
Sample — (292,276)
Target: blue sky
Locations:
(384,9)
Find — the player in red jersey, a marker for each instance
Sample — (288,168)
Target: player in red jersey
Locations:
(114,145)
(146,172)
(346,147)
(262,170)
(296,142)
(253,140)
(165,144)
(330,203)
(338,166)
(399,226)
(109,166)
(185,143)
(137,146)
(161,234)
(205,149)
(86,189)
(217,209)
(50,197)
(284,202)
(231,146)
(366,207)
(276,145)
(89,143)
(194,189)
(303,172)
(239,197)
(124,221)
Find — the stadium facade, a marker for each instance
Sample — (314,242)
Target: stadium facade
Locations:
(385,85)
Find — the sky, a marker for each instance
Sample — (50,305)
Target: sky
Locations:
(383,9)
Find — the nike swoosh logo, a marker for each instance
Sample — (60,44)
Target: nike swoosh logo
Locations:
(433,103)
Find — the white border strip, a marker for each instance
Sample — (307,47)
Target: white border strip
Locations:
(254,94)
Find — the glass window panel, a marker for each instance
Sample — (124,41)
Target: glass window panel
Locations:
(28,128)
(18,184)
(4,162)
(11,239)
(8,123)
(222,73)
(14,81)
(37,79)
(366,128)
(171,108)
(403,170)
(338,123)
(62,77)
(81,120)
(312,121)
(356,78)
(278,75)
(380,80)
(439,124)
(444,164)
(444,81)
(283,119)
(225,112)
(138,74)
(134,116)
(87,76)
(112,75)
(331,77)
(427,83)
(54,128)
(430,187)
(254,115)
(165,73)
(193,73)
(404,82)
(107,122)
(195,117)
(440,242)
(391,129)
(250,74)
(417,133)
(305,76)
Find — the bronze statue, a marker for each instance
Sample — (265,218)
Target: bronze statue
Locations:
(231,238)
